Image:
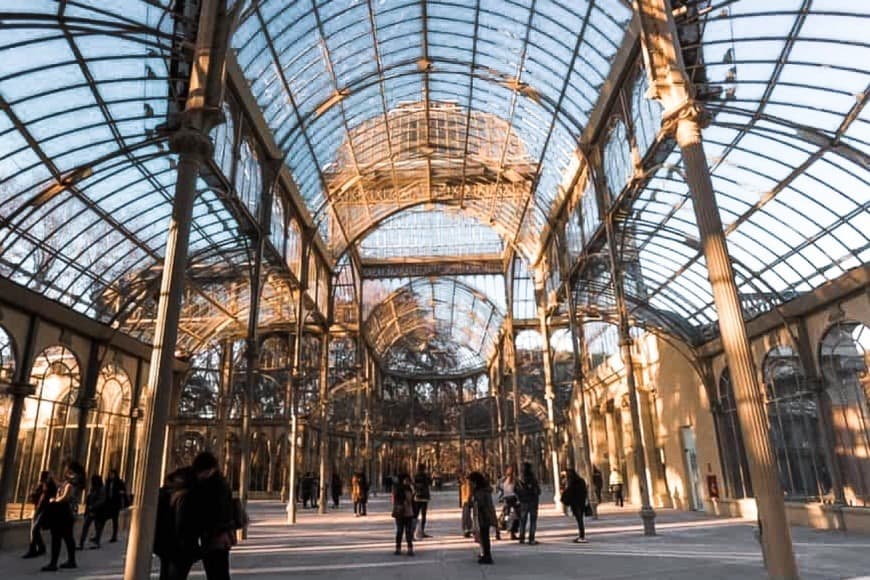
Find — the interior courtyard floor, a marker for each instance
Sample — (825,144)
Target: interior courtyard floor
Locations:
(339,546)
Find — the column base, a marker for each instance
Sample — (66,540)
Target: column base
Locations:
(648,516)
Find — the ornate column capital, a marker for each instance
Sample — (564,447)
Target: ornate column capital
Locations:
(189,141)
(687,110)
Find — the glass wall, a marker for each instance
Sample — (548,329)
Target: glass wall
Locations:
(108,427)
(7,368)
(793,414)
(735,467)
(843,357)
(49,424)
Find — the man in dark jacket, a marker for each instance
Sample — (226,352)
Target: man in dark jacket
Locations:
(201,521)
(211,503)
(176,546)
(335,488)
(422,494)
(116,500)
(575,495)
(528,493)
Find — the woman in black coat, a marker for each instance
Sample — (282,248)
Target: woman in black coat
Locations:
(575,496)
(40,497)
(95,512)
(483,514)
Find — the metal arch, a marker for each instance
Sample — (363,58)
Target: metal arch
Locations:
(397,328)
(336,90)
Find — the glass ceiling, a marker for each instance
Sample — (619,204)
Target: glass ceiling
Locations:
(456,119)
(787,150)
(427,232)
(358,88)
(86,181)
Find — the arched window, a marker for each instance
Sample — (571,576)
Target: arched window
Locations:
(308,393)
(49,424)
(261,463)
(794,425)
(7,357)
(224,136)
(735,467)
(646,115)
(843,357)
(7,374)
(277,226)
(201,390)
(248,178)
(618,165)
(107,429)
(269,397)
(294,248)
(187,446)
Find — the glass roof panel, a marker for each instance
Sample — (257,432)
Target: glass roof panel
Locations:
(431,232)
(515,61)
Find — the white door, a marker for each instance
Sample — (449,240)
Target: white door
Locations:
(691,456)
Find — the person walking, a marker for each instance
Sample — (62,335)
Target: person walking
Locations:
(422,495)
(483,514)
(177,547)
(196,512)
(576,497)
(116,500)
(359,493)
(510,503)
(40,498)
(465,493)
(210,500)
(61,513)
(335,488)
(307,485)
(616,485)
(95,512)
(528,493)
(403,513)
(597,482)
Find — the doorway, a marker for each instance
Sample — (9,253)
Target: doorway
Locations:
(690,454)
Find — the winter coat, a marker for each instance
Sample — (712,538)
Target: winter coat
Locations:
(359,488)
(403,507)
(576,494)
(211,503)
(422,483)
(116,494)
(528,490)
(95,502)
(483,509)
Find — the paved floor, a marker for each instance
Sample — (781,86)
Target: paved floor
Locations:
(340,547)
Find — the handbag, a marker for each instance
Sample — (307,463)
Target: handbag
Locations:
(587,509)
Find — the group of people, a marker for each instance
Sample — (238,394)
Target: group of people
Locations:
(411,498)
(519,498)
(197,519)
(56,505)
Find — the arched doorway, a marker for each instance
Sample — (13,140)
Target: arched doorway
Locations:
(49,424)
(843,357)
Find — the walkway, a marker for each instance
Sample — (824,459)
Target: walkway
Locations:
(341,547)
